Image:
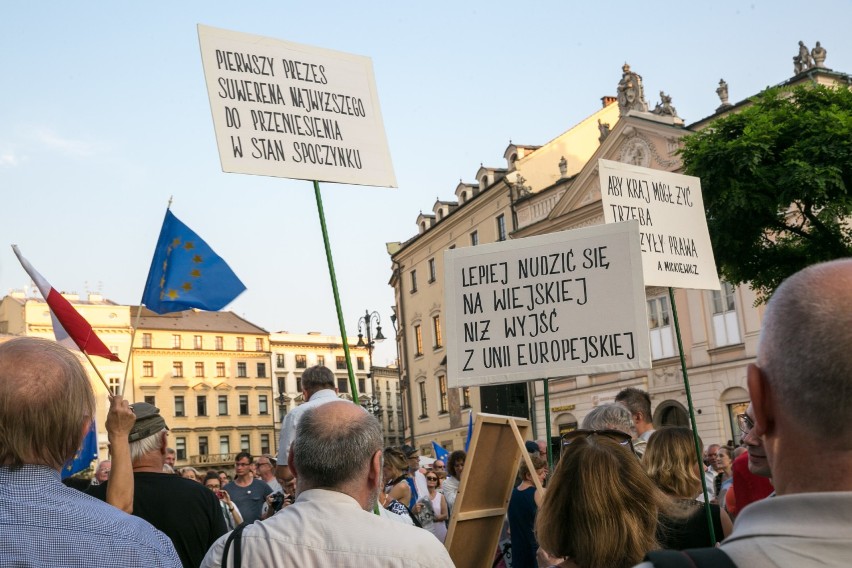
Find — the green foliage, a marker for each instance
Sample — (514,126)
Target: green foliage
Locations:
(776,180)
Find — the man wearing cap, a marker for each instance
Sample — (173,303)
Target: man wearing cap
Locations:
(187,512)
(46,406)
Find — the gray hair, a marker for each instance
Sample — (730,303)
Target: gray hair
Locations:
(146,445)
(317,378)
(610,416)
(804,349)
(331,454)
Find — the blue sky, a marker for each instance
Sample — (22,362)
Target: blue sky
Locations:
(104,115)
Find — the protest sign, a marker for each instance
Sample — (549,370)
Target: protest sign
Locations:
(288,110)
(673,235)
(561,304)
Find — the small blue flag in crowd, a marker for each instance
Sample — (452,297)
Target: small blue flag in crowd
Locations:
(440,453)
(85,455)
(469,431)
(186,273)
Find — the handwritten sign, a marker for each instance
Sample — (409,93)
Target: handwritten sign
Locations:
(561,304)
(673,233)
(288,110)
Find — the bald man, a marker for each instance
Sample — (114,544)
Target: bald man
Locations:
(337,459)
(46,406)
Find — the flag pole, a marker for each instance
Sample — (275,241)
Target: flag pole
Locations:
(692,419)
(547,432)
(343,337)
(100,376)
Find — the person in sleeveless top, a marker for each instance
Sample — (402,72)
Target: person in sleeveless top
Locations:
(523,507)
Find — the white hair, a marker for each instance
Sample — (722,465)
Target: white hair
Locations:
(141,447)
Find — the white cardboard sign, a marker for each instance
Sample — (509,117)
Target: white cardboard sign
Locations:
(560,304)
(288,110)
(673,235)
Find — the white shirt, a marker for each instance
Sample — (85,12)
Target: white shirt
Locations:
(327,528)
(288,428)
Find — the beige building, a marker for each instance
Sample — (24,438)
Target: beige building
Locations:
(555,187)
(23,314)
(210,375)
(390,407)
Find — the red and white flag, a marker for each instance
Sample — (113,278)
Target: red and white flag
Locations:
(70,328)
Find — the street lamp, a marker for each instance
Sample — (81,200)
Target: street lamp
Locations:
(365,324)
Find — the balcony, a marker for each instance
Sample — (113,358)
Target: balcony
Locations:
(210,460)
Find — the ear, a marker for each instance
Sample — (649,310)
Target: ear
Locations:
(164,442)
(290,463)
(760,392)
(374,476)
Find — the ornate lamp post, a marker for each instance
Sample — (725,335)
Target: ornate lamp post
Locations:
(365,324)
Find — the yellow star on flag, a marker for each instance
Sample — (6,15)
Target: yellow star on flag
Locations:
(195,273)
(187,286)
(173,294)
(196,259)
(188,245)
(176,242)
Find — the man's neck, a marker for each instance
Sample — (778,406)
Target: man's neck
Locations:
(244,480)
(793,473)
(152,462)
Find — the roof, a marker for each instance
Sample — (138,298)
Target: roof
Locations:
(195,320)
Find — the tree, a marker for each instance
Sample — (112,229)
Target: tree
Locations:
(776,179)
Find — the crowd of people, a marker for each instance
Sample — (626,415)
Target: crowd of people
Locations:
(622,493)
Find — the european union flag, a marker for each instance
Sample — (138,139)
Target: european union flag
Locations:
(186,273)
(440,452)
(85,455)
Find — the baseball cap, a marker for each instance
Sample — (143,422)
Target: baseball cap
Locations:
(148,421)
(531,446)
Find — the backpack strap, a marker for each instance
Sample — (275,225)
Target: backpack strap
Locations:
(692,558)
(236,537)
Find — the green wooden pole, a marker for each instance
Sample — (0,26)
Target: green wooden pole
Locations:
(352,385)
(547,422)
(698,452)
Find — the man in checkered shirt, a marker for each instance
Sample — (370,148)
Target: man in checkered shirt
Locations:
(46,405)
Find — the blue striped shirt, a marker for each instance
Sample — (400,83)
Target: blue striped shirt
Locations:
(44,523)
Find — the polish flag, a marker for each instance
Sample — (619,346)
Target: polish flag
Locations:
(69,327)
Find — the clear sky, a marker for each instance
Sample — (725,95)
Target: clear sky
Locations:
(104,115)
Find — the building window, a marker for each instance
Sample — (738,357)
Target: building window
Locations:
(220,343)
(244,407)
(245,444)
(432,271)
(201,404)
(465,392)
(177,369)
(150,400)
(418,341)
(301,361)
(442,393)
(264,443)
(342,385)
(659,322)
(224,444)
(725,326)
(220,369)
(299,384)
(261,370)
(436,332)
(197,342)
(360,363)
(203,448)
(474,238)
(262,404)
(501,228)
(180,410)
(340,361)
(241,344)
(280,360)
(147,368)
(413,281)
(114,350)
(258,344)
(223,405)
(114,385)
(175,341)
(423,406)
(321,360)
(146,340)
(180,448)
(199,369)
(241,370)
(362,385)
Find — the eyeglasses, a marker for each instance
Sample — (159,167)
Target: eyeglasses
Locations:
(242,464)
(258,464)
(621,437)
(745,423)
(431,479)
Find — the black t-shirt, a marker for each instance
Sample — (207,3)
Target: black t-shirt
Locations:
(690,531)
(186,511)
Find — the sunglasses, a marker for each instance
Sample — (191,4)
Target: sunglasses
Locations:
(431,479)
(617,435)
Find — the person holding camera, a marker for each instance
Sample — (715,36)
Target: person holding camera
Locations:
(229,508)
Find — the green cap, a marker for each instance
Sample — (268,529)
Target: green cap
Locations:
(148,421)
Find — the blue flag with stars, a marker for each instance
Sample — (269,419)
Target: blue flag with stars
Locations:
(87,453)
(186,273)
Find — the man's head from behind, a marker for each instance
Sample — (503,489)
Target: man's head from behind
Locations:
(801,384)
(46,403)
(317,378)
(149,434)
(639,404)
(610,417)
(338,447)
